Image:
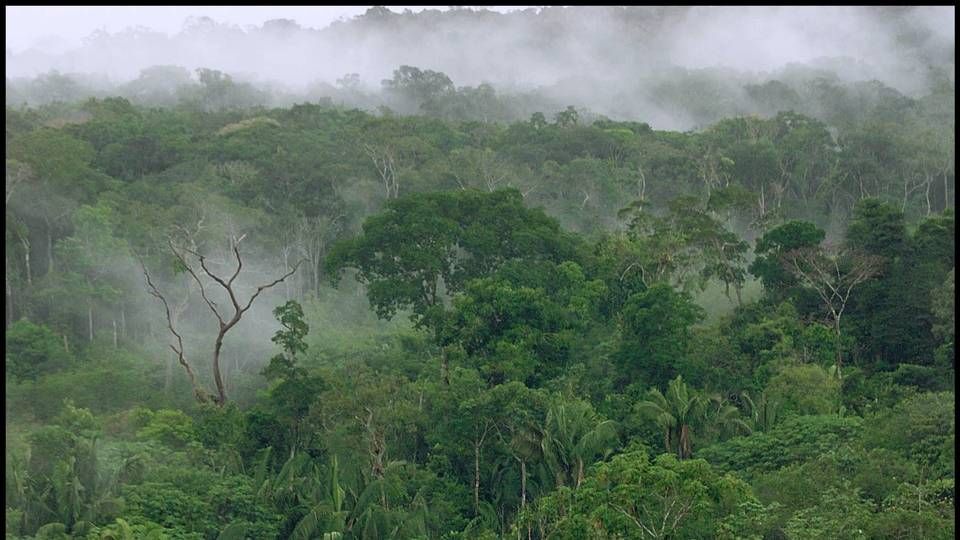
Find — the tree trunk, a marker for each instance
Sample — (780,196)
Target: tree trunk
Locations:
(49,249)
(123,322)
(9,291)
(90,319)
(579,471)
(66,345)
(115,344)
(286,266)
(476,477)
(444,366)
(839,360)
(523,484)
(523,493)
(221,391)
(946,192)
(25,242)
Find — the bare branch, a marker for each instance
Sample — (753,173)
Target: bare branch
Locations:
(834,282)
(198,391)
(267,286)
(203,293)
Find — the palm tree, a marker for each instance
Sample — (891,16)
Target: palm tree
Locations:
(722,418)
(574,436)
(326,513)
(762,412)
(525,447)
(676,413)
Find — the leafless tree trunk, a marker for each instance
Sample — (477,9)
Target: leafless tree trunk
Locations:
(225,325)
(477,445)
(313,239)
(641,183)
(49,227)
(385,161)
(25,243)
(9,291)
(198,391)
(18,174)
(946,192)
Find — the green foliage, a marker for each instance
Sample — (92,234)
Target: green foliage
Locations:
(805,390)
(199,504)
(655,334)
(777,282)
(424,245)
(878,228)
(520,323)
(921,428)
(839,514)
(171,427)
(561,329)
(632,497)
(573,437)
(794,440)
(32,350)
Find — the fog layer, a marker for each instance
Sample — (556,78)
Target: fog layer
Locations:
(521,49)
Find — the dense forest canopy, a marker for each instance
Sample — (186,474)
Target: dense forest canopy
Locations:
(724,309)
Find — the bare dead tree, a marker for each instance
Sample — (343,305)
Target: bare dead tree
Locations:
(312,239)
(16,173)
(198,391)
(833,276)
(386,163)
(225,324)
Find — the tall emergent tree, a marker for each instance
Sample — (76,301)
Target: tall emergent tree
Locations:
(424,247)
(833,276)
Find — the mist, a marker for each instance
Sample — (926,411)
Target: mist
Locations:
(616,61)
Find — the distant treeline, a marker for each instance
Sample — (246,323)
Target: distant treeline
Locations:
(676,98)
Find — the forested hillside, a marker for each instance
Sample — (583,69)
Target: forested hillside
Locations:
(456,314)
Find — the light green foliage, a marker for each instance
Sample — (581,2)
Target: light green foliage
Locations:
(575,436)
(173,428)
(920,428)
(632,497)
(32,350)
(199,504)
(687,245)
(805,389)
(794,440)
(842,515)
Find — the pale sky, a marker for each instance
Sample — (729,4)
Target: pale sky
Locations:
(55,28)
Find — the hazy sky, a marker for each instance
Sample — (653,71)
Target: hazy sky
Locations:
(54,28)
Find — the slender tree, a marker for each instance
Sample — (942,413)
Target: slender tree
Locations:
(833,276)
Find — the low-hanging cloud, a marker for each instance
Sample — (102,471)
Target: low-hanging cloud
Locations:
(597,57)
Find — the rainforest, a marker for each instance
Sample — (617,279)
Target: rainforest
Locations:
(563,297)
